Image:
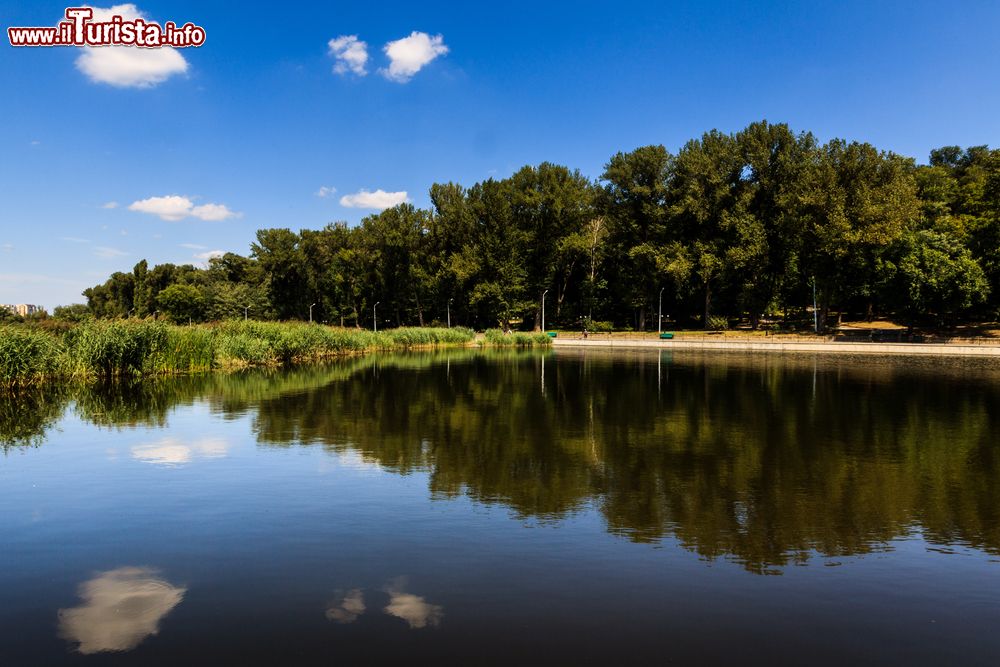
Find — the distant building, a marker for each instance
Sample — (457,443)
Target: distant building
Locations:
(23,309)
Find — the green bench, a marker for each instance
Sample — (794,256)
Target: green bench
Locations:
(666,336)
(553,334)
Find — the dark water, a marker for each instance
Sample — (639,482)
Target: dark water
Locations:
(467,508)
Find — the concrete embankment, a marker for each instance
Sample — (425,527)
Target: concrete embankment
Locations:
(823,347)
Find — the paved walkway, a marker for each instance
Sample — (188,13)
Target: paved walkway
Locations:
(831,347)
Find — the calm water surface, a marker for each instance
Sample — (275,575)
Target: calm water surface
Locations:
(509,508)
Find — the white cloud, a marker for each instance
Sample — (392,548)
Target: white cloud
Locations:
(119,609)
(7,247)
(192,246)
(110,204)
(105,252)
(351,54)
(378,200)
(73,239)
(212,212)
(326,191)
(205,256)
(128,66)
(408,55)
(176,207)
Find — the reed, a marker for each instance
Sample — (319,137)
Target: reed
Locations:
(28,356)
(498,338)
(135,348)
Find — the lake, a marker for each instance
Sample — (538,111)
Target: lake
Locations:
(468,507)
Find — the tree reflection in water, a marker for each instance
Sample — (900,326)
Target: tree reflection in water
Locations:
(765,459)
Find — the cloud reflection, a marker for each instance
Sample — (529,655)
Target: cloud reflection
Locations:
(120,609)
(171,451)
(413,609)
(348,608)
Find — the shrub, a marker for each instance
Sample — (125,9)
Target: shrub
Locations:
(717,323)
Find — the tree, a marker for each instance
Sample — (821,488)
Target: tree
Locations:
(936,276)
(181,303)
(75,312)
(634,202)
(280,258)
(493,262)
(718,235)
(857,203)
(549,203)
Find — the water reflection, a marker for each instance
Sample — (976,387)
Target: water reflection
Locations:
(120,608)
(171,452)
(347,607)
(414,609)
(767,460)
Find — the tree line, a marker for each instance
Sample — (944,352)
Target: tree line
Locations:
(753,226)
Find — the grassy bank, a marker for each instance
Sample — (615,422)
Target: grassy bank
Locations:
(133,348)
(498,338)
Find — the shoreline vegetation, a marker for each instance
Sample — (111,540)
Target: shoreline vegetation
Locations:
(99,349)
(763,228)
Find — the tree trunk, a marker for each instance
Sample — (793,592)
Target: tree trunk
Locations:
(538,314)
(708,304)
(754,320)
(642,318)
(420,311)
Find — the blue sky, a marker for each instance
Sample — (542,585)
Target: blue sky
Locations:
(259,120)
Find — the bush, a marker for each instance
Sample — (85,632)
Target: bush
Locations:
(717,323)
(597,326)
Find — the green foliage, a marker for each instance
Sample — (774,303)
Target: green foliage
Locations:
(134,348)
(498,338)
(597,326)
(27,355)
(738,224)
(937,276)
(181,303)
(76,312)
(115,348)
(717,323)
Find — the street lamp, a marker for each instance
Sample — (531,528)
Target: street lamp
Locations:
(449,313)
(375,316)
(311,312)
(661,310)
(543,309)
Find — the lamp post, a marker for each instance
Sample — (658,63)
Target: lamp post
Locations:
(449,313)
(543,309)
(311,312)
(375,316)
(661,310)
(246,309)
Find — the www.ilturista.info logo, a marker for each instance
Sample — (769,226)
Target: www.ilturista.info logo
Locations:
(79,30)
